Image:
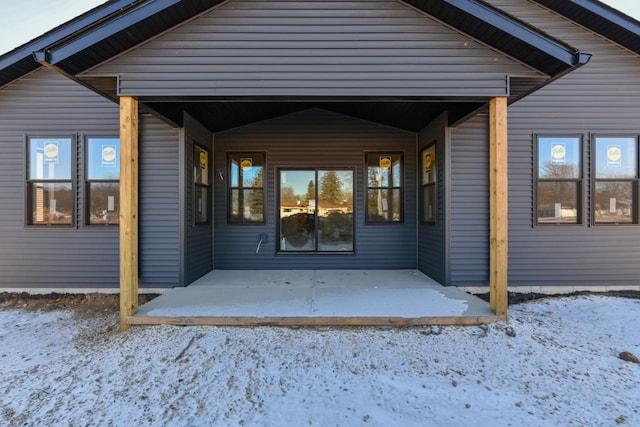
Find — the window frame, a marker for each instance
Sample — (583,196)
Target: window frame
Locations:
(199,186)
(230,188)
(427,185)
(88,181)
(316,170)
(635,182)
(400,188)
(579,182)
(28,181)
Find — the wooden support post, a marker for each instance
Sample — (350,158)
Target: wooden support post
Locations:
(498,206)
(128,209)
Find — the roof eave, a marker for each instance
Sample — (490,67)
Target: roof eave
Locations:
(23,54)
(87,35)
(601,19)
(505,33)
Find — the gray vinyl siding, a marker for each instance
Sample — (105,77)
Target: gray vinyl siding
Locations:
(45,104)
(469,238)
(316,139)
(198,245)
(602,97)
(432,237)
(159,204)
(313,48)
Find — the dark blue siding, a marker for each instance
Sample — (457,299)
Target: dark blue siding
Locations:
(316,138)
(432,238)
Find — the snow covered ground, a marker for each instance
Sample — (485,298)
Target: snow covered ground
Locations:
(560,368)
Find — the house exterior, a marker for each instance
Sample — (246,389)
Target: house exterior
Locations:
(146,143)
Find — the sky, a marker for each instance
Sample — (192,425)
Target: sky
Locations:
(20,24)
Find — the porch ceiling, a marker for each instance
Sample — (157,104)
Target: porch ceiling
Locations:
(222,115)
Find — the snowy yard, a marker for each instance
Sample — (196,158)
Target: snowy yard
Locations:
(560,368)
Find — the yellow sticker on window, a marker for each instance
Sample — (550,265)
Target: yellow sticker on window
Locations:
(51,151)
(203,158)
(108,153)
(614,154)
(246,164)
(558,153)
(385,162)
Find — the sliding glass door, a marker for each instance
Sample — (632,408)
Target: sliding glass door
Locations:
(316,210)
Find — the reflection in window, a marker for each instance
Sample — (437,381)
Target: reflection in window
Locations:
(201,189)
(102,183)
(559,180)
(316,211)
(616,180)
(429,179)
(246,188)
(384,188)
(50,192)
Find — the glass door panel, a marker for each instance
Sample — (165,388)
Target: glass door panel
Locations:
(335,211)
(297,210)
(316,211)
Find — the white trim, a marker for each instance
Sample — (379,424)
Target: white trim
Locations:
(553,290)
(47,291)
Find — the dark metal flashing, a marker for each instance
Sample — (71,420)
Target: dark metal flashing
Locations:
(600,18)
(98,35)
(505,33)
(19,61)
(124,31)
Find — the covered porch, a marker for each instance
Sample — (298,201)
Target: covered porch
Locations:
(314,298)
(398,68)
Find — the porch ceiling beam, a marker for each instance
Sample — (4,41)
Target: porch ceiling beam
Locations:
(498,206)
(128,209)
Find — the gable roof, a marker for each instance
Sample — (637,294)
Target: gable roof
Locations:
(119,25)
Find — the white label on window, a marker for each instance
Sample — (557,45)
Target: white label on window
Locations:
(109,156)
(385,205)
(52,206)
(558,209)
(612,205)
(614,155)
(559,154)
(111,203)
(51,152)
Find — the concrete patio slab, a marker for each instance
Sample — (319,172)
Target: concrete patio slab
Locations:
(314,297)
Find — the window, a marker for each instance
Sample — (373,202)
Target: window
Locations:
(384,188)
(615,188)
(50,188)
(429,188)
(316,211)
(201,185)
(102,181)
(246,188)
(559,186)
